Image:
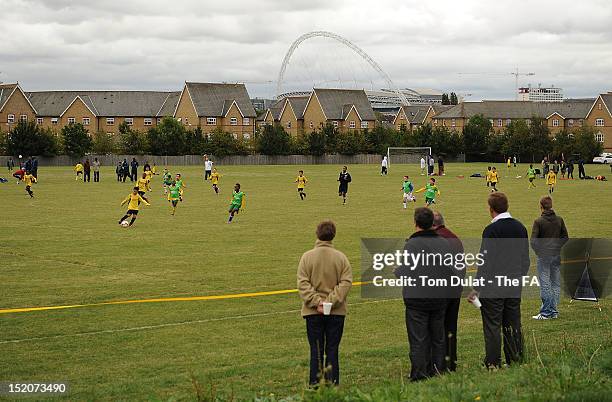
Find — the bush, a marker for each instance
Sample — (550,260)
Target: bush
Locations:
(132,142)
(103,143)
(350,142)
(274,140)
(27,138)
(168,138)
(316,143)
(196,143)
(476,136)
(223,144)
(585,143)
(77,141)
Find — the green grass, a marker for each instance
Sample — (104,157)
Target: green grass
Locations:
(64,247)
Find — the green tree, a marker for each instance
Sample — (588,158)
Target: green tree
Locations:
(350,142)
(168,138)
(132,142)
(27,138)
(540,143)
(476,134)
(453,99)
(445,99)
(331,134)
(299,144)
(563,145)
(196,143)
(585,144)
(77,141)
(50,143)
(517,139)
(316,143)
(103,143)
(274,140)
(222,144)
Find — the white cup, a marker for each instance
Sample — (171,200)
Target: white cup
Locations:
(327,306)
(476,302)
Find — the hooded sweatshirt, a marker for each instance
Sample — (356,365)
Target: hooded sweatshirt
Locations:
(548,234)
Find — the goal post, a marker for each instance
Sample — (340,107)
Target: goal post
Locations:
(408,155)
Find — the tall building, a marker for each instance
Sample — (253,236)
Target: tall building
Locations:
(540,94)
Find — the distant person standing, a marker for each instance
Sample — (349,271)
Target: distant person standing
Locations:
(10,164)
(86,171)
(35,167)
(119,171)
(383,166)
(440,166)
(506,250)
(548,236)
(324,276)
(581,172)
(125,170)
(344,178)
(423,166)
(514,160)
(28,165)
(431,165)
(96,170)
(134,167)
(208,167)
(570,169)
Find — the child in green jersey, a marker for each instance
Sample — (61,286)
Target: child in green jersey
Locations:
(407,189)
(174,195)
(531,176)
(431,190)
(238,201)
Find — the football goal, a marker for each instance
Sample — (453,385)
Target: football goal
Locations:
(407,155)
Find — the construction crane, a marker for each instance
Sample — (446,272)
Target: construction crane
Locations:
(516,75)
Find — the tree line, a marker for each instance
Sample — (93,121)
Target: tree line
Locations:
(529,140)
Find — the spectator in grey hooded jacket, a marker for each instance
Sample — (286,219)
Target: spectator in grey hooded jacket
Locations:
(548,236)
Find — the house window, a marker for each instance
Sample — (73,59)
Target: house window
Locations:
(599,137)
(435,121)
(453,123)
(158,120)
(599,122)
(528,122)
(23,118)
(335,124)
(71,120)
(148,121)
(508,121)
(86,121)
(311,125)
(570,122)
(499,123)
(351,124)
(233,121)
(246,121)
(364,124)
(246,136)
(39,120)
(443,123)
(571,135)
(556,123)
(211,121)
(54,120)
(401,117)
(288,124)
(491,121)
(186,119)
(580,122)
(599,106)
(129,121)
(110,121)
(10,118)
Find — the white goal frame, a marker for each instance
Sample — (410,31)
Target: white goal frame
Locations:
(426,152)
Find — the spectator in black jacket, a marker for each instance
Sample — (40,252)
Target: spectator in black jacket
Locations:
(134,166)
(425,305)
(548,236)
(505,248)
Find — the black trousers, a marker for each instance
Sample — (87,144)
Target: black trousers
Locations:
(581,172)
(502,316)
(451,314)
(96,176)
(324,335)
(427,345)
(134,175)
(86,176)
(207,174)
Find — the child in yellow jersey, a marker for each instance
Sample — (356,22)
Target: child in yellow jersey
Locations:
(144,186)
(133,200)
(301,184)
(214,179)
(29,180)
(494,178)
(78,168)
(551,180)
(488,176)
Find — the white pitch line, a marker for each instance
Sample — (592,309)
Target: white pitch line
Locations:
(171,324)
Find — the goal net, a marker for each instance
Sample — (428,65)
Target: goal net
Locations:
(408,155)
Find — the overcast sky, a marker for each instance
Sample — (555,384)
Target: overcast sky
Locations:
(149,44)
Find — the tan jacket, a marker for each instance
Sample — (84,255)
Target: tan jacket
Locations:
(324,274)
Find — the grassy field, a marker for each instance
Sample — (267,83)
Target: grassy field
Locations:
(64,247)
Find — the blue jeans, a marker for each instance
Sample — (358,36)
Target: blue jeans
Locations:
(550,283)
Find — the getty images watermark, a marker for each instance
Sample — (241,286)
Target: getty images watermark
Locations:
(448,268)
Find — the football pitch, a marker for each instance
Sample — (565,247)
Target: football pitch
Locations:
(64,249)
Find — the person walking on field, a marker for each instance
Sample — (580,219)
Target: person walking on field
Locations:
(431,165)
(324,277)
(86,171)
(383,166)
(548,236)
(134,166)
(10,164)
(96,170)
(208,167)
(344,178)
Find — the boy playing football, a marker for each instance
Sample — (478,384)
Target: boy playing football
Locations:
(407,189)
(133,199)
(301,184)
(238,201)
(431,190)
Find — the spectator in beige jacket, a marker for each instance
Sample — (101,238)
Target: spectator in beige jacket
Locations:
(324,276)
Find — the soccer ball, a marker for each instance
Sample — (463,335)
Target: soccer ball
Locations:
(125,224)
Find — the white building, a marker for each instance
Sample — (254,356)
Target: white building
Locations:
(540,94)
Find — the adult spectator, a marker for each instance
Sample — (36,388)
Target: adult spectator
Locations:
(505,248)
(440,166)
(451,313)
(35,167)
(28,165)
(208,167)
(324,276)
(570,169)
(514,160)
(425,305)
(10,164)
(134,166)
(431,165)
(125,169)
(383,166)
(86,171)
(581,172)
(423,166)
(548,236)
(96,170)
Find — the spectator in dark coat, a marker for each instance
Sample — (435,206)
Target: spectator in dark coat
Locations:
(86,171)
(134,166)
(505,248)
(35,167)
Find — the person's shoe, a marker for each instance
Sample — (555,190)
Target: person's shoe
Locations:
(540,317)
(554,316)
